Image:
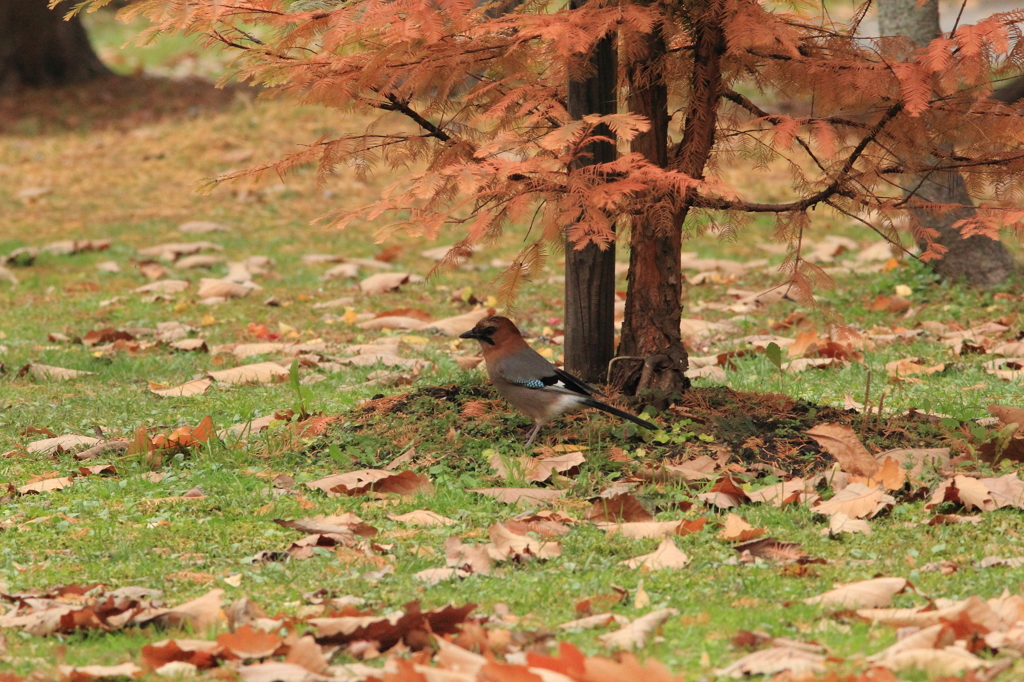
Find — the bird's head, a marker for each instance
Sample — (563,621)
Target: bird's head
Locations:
(493,331)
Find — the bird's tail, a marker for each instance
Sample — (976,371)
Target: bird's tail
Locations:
(590,402)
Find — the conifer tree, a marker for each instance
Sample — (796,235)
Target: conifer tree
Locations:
(490,142)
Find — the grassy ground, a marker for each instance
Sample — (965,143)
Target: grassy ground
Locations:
(132,178)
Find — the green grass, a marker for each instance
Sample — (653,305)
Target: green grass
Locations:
(135,187)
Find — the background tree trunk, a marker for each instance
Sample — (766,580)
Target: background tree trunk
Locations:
(590,271)
(977,260)
(39,48)
(652,357)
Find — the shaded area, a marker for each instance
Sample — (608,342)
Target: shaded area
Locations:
(119,103)
(762,431)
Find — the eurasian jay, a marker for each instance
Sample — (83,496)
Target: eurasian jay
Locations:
(533,385)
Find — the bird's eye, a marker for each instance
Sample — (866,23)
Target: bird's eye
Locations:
(490,330)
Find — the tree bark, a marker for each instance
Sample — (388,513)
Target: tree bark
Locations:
(977,260)
(651,353)
(590,271)
(38,48)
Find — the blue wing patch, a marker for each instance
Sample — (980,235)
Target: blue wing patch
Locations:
(533,383)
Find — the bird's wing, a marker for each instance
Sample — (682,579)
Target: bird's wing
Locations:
(531,370)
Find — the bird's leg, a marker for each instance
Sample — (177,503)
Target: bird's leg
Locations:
(533,434)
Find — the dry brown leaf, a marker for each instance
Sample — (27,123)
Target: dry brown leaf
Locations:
(599,620)
(340,524)
(799,662)
(383,282)
(785,492)
(842,443)
(639,632)
(82,673)
(453,326)
(222,288)
(667,555)
(890,475)
(623,507)
(247,642)
(433,576)
(375,480)
(422,517)
(873,593)
(541,468)
(970,492)
(276,671)
(857,501)
(654,530)
(908,366)
(48,372)
(258,373)
(45,485)
(64,443)
(725,494)
(738,530)
(307,653)
(520,495)
(841,523)
(469,558)
(1006,491)
(188,389)
(506,544)
(189,345)
(918,459)
(933,662)
(164,286)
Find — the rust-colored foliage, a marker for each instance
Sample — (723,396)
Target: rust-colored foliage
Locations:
(488,141)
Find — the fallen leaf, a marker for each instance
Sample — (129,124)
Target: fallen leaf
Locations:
(841,523)
(623,507)
(383,282)
(667,555)
(48,372)
(99,672)
(873,593)
(724,494)
(519,495)
(340,524)
(506,544)
(188,389)
(45,485)
(857,501)
(738,530)
(933,662)
(64,443)
(599,620)
(908,366)
(376,480)
(467,558)
(459,324)
(842,443)
(258,373)
(422,517)
(654,530)
(638,633)
(800,663)
(164,286)
(246,642)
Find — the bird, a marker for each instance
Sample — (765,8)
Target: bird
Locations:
(529,382)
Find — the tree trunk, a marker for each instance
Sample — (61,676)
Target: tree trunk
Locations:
(38,48)
(590,271)
(651,353)
(977,260)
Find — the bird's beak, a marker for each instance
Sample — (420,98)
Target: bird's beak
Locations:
(471,334)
